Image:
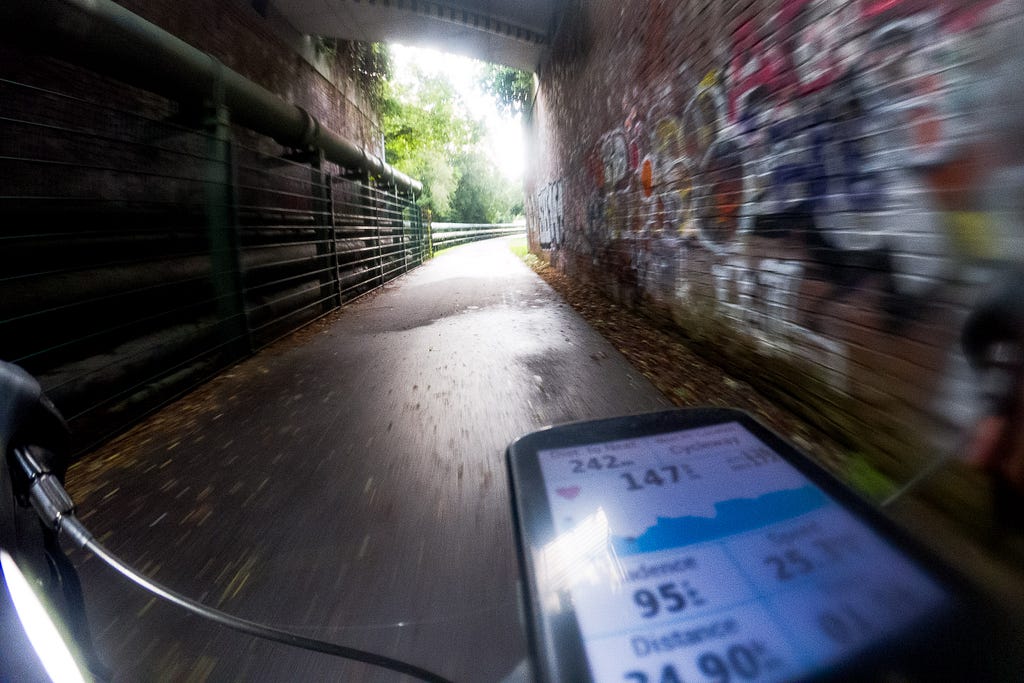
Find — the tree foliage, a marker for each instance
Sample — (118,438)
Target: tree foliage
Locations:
(512,88)
(430,136)
(369,64)
(425,130)
(483,195)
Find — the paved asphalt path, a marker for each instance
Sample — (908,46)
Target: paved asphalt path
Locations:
(349,483)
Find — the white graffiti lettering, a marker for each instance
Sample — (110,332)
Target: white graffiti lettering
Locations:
(550,214)
(762,302)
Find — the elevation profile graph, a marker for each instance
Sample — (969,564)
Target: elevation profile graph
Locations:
(732,516)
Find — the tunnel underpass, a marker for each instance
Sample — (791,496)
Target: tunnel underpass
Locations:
(814,194)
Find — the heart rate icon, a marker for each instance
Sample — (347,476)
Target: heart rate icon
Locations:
(568,492)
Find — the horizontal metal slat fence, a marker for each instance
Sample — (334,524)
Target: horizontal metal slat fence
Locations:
(141,253)
(447,235)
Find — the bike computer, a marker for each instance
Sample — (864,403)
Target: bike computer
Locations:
(696,545)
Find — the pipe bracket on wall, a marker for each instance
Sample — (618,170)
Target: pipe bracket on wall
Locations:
(310,132)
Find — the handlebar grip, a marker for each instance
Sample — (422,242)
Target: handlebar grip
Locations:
(29,418)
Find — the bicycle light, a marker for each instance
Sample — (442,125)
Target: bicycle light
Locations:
(46,639)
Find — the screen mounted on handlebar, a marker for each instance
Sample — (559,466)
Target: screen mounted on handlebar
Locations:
(697,545)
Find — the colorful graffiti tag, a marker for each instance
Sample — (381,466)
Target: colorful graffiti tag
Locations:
(823,149)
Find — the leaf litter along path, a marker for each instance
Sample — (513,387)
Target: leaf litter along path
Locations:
(688,379)
(682,375)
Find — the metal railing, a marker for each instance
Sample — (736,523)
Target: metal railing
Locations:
(145,247)
(447,235)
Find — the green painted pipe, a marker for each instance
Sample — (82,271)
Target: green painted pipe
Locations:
(108,38)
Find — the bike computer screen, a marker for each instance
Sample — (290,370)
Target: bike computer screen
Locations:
(697,546)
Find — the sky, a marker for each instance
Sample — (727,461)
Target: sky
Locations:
(504,140)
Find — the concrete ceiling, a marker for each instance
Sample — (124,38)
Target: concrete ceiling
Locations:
(511,32)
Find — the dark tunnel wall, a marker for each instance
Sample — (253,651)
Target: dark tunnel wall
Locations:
(814,191)
(145,243)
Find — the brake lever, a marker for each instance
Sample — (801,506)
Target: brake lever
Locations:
(28,416)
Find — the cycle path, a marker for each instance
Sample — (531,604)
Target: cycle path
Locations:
(349,483)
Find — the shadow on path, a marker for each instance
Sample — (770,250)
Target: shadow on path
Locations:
(349,482)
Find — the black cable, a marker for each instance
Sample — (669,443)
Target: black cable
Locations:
(57,512)
(81,535)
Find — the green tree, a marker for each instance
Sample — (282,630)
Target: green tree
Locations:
(426,131)
(483,195)
(511,88)
(430,136)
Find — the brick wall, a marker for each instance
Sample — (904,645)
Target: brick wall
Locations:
(804,186)
(126,276)
(263,49)
(255,46)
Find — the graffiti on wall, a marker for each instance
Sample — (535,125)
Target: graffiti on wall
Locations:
(551,214)
(616,163)
(761,299)
(816,164)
